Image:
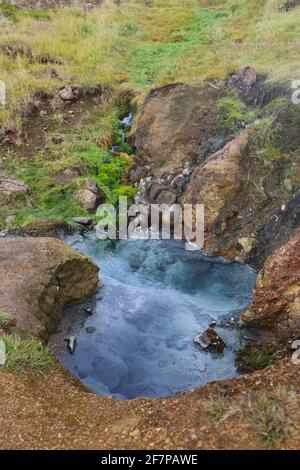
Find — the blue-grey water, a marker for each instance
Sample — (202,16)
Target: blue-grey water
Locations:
(156,297)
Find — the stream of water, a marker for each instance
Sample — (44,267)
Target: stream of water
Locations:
(156,297)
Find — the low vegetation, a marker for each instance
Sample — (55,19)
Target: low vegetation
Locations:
(272,415)
(25,353)
(254,358)
(4,321)
(133,44)
(142,44)
(268,414)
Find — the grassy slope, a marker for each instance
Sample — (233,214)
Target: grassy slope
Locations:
(173,40)
(135,44)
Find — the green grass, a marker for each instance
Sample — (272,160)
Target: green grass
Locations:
(254,359)
(4,321)
(234,110)
(83,147)
(216,411)
(26,353)
(132,43)
(142,47)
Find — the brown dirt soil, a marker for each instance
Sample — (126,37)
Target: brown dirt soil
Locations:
(53,411)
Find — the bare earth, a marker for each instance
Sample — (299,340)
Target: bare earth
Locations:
(54,411)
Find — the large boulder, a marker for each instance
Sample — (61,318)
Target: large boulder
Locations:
(38,278)
(276,303)
(173,121)
(216,184)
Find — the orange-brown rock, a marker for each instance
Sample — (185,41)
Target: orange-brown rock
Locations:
(173,121)
(38,278)
(276,301)
(216,184)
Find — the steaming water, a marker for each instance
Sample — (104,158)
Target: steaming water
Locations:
(156,298)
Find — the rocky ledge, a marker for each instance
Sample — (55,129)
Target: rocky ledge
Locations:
(38,278)
(276,303)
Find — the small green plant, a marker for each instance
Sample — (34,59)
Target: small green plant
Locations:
(234,110)
(217,410)
(26,353)
(252,359)
(288,173)
(4,321)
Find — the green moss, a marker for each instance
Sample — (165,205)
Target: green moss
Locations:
(124,190)
(234,110)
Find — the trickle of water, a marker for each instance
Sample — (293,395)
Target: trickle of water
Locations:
(156,298)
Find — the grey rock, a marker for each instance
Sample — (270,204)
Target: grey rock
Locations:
(210,340)
(66,93)
(87,199)
(166,197)
(82,220)
(8,186)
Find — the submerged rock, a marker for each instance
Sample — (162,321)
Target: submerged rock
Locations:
(38,278)
(209,340)
(90,329)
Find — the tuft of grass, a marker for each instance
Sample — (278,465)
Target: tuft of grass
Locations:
(216,411)
(234,110)
(252,358)
(271,415)
(26,353)
(4,321)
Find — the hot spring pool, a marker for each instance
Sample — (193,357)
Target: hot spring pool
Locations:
(156,297)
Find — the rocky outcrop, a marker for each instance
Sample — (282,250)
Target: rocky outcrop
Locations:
(171,125)
(216,184)
(276,304)
(38,278)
